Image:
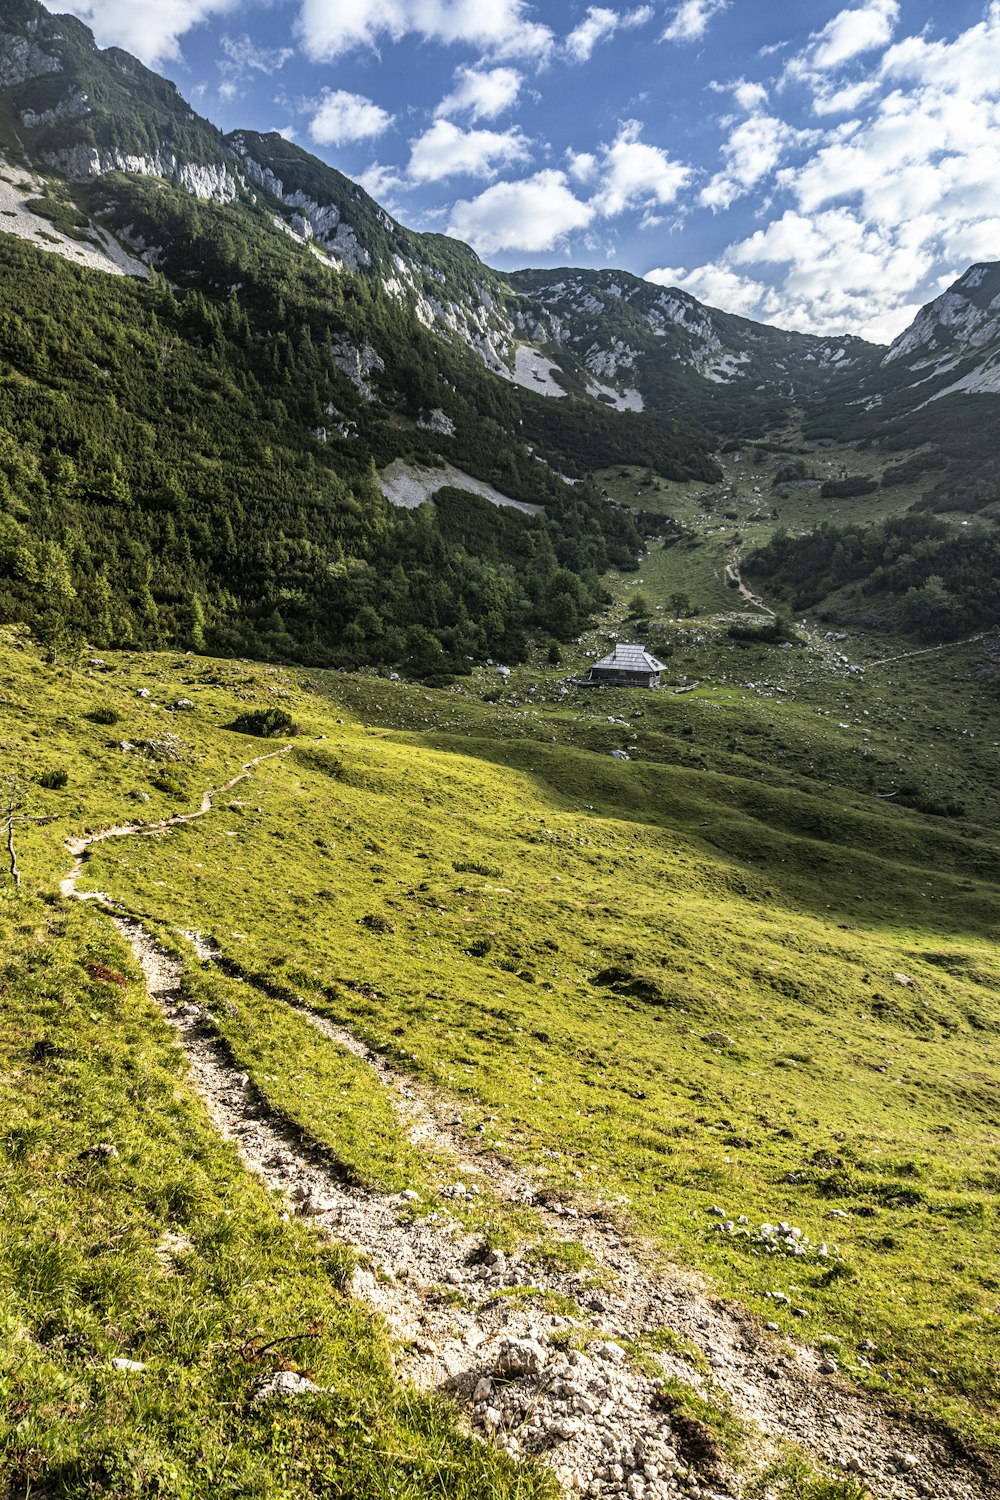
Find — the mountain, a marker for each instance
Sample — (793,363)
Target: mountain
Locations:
(70,108)
(195,434)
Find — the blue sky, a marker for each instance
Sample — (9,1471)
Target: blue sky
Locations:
(815,165)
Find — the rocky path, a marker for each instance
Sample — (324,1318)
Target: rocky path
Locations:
(886,661)
(537,1352)
(79,847)
(733,575)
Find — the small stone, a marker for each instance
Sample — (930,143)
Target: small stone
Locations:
(316,1203)
(610,1351)
(284,1383)
(483,1391)
(409,1196)
(101,1151)
(520,1357)
(772,1327)
(828,1366)
(717,1212)
(132,1366)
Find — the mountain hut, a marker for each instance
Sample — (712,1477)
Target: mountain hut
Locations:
(627,666)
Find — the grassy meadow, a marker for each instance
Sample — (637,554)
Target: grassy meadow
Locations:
(743,969)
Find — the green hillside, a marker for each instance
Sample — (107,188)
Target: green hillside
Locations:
(715,975)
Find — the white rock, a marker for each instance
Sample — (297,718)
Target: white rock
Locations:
(520,1357)
(284,1383)
(132,1366)
(610,1351)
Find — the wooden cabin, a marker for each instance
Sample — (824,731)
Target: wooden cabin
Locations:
(627,666)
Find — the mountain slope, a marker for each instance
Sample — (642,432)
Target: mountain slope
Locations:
(390,345)
(86,114)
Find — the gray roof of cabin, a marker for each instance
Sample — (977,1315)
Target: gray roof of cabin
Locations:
(630,658)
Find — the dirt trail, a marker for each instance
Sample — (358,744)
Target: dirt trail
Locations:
(733,576)
(487,1327)
(884,661)
(79,847)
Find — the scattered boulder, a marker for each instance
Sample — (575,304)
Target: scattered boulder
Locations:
(520,1357)
(285,1383)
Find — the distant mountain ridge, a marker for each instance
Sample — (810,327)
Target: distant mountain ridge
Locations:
(68,107)
(327,341)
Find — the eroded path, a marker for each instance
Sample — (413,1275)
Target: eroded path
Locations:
(733,575)
(496,1332)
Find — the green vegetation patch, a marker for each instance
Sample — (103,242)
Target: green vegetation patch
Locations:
(151,1288)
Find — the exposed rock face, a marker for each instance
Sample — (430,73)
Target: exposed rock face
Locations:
(21,59)
(956,322)
(84,163)
(358,365)
(320,221)
(437,421)
(73,107)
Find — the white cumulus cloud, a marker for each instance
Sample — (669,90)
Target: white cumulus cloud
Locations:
(534,214)
(381,182)
(150,29)
(691,20)
(635,174)
(852,32)
(340,117)
(329,28)
(866,219)
(600,22)
(538,212)
(247,56)
(482,93)
(753,148)
(716,285)
(445,151)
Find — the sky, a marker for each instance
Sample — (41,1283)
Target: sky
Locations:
(816,166)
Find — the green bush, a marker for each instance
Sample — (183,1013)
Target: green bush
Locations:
(846,489)
(267,723)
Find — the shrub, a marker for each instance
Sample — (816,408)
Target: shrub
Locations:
(375,922)
(169,785)
(54,781)
(476,867)
(845,489)
(104,716)
(267,723)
